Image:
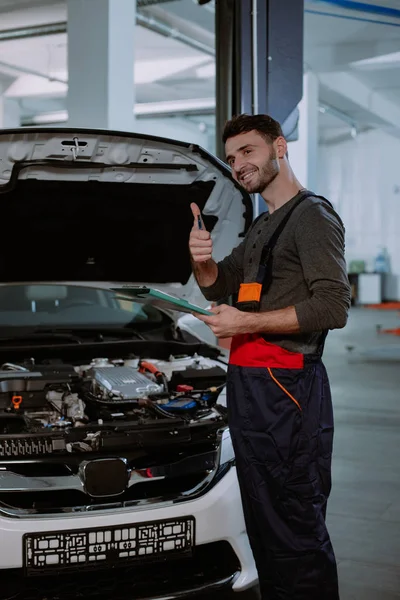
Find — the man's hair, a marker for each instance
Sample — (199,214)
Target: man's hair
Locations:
(265,125)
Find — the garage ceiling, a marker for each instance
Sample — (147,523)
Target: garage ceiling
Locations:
(341,46)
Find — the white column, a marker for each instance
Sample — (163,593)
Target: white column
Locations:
(9,108)
(11,113)
(101,63)
(303,153)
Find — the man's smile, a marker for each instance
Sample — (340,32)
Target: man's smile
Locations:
(247,175)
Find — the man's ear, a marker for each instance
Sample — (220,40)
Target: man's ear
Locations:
(281,147)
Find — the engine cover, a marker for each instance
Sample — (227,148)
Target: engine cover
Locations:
(123,384)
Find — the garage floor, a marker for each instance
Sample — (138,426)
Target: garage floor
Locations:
(364,508)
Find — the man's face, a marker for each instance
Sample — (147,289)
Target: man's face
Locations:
(253,160)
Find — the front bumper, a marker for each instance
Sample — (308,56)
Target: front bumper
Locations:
(221,539)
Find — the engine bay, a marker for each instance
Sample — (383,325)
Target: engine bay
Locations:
(50,407)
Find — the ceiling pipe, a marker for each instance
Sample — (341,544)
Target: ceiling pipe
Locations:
(161,28)
(20,33)
(147,3)
(355,7)
(350,18)
(149,23)
(383,11)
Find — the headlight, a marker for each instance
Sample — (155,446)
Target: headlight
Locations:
(226,453)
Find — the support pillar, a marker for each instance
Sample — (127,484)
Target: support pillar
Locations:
(101,64)
(259,58)
(303,153)
(9,107)
(234,63)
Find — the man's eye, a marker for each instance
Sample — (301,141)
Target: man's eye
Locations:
(247,151)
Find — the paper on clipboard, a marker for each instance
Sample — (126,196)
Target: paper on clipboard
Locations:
(157,298)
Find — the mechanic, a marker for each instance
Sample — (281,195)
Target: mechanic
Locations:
(290,284)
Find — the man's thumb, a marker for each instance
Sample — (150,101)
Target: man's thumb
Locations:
(197,215)
(195,210)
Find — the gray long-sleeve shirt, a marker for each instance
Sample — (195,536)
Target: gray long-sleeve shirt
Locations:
(308,271)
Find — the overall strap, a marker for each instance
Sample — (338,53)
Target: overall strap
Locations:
(270,244)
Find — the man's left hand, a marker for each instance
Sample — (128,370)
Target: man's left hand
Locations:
(226,321)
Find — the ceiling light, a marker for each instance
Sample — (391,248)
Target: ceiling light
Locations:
(170,106)
(150,71)
(384,61)
(142,109)
(206,71)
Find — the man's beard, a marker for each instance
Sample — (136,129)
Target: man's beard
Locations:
(263,177)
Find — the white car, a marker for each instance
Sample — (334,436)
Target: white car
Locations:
(117,474)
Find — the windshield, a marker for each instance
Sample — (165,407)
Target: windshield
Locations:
(69,306)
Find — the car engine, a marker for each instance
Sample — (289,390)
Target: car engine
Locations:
(53,397)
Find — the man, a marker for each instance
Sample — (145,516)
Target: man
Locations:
(279,402)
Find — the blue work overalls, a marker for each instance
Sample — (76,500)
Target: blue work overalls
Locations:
(281,422)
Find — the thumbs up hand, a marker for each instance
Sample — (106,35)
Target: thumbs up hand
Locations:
(200,242)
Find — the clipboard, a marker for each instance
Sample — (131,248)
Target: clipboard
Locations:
(159,299)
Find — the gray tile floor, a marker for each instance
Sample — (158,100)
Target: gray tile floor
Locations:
(364,508)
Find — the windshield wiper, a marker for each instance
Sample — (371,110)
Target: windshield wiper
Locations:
(101,332)
(72,334)
(36,335)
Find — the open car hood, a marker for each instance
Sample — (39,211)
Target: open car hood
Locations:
(111,208)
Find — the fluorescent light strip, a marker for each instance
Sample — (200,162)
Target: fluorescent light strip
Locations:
(141,109)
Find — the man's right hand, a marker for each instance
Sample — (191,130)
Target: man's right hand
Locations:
(200,242)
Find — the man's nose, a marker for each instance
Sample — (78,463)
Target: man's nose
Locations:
(238,166)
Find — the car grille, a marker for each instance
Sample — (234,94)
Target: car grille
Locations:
(48,488)
(42,501)
(209,563)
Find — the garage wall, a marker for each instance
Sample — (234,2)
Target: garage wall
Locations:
(361,177)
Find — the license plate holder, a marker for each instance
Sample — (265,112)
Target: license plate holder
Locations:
(100,547)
